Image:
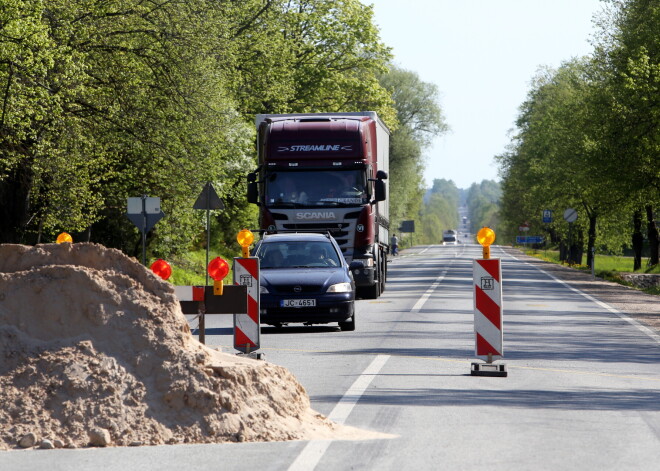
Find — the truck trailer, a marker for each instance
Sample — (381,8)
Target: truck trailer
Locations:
(327,172)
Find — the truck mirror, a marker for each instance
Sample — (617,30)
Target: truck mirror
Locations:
(380,193)
(252,193)
(381,175)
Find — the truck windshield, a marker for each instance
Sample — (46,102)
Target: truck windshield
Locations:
(316,188)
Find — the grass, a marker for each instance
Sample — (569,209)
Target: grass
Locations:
(608,267)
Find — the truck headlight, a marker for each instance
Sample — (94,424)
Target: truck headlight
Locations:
(263,289)
(340,288)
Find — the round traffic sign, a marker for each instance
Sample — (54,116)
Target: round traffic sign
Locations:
(570,215)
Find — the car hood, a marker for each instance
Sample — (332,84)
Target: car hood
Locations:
(304,276)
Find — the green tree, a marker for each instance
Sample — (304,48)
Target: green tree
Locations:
(483,203)
(628,54)
(106,100)
(420,119)
(440,211)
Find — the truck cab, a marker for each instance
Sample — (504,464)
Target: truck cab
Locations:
(327,172)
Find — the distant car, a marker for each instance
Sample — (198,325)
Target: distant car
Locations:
(305,279)
(449,237)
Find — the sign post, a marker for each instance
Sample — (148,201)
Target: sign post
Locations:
(208,199)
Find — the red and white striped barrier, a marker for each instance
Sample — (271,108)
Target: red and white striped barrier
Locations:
(487,275)
(189,293)
(247,331)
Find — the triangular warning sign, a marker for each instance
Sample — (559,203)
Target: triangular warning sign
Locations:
(208,199)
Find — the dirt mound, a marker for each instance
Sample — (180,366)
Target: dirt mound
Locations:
(93,345)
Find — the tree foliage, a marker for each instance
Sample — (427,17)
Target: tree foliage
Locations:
(419,118)
(106,100)
(483,204)
(587,138)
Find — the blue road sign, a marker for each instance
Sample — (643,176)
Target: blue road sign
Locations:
(547,216)
(529,239)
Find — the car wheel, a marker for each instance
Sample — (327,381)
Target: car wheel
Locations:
(348,326)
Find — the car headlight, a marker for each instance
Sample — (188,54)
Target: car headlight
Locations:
(340,288)
(263,289)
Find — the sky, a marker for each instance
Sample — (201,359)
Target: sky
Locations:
(482,56)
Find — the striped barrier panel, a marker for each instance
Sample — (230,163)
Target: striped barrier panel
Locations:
(189,293)
(487,275)
(247,330)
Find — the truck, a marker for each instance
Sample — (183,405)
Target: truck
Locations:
(327,172)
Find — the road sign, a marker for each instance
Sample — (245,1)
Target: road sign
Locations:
(247,331)
(144,212)
(570,215)
(407,226)
(487,276)
(524,227)
(529,239)
(208,199)
(547,216)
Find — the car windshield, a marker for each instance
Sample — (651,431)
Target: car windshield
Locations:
(298,254)
(316,188)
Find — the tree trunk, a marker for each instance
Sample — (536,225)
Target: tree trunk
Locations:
(563,251)
(577,248)
(591,240)
(654,236)
(637,239)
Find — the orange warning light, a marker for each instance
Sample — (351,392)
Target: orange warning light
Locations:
(64,237)
(486,236)
(218,269)
(161,268)
(245,239)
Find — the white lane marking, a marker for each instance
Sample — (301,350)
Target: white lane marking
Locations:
(420,302)
(310,456)
(654,336)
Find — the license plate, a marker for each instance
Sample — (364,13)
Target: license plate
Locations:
(298,303)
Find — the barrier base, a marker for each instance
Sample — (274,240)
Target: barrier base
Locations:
(253,355)
(489,369)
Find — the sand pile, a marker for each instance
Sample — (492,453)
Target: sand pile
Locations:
(94,349)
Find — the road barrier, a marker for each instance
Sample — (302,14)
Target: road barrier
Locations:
(202,301)
(247,330)
(489,339)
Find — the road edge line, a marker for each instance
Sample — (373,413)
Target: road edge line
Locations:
(641,327)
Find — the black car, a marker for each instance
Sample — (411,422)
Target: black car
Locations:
(304,278)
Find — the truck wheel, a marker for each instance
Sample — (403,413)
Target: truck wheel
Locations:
(371,292)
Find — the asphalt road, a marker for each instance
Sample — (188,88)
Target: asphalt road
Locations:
(582,392)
